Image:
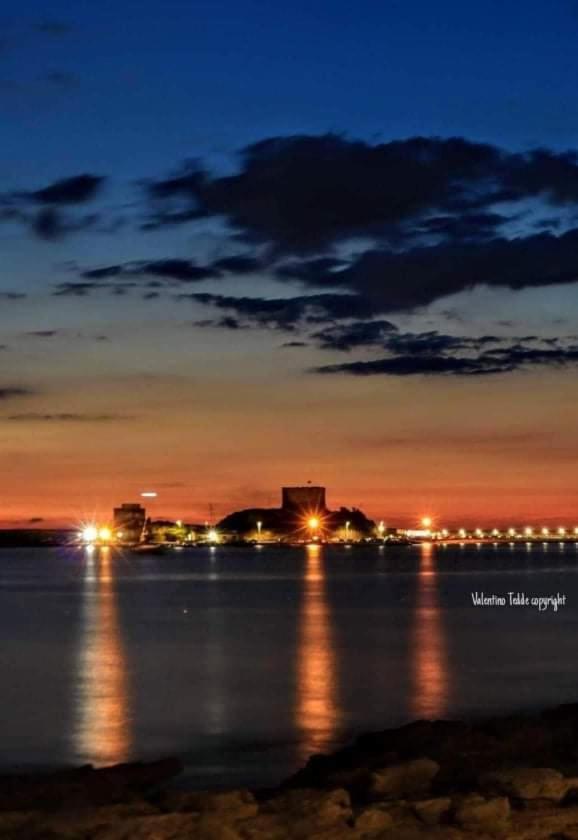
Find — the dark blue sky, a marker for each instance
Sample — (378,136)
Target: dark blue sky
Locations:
(152,82)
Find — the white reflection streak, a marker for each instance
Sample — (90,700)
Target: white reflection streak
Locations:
(216,706)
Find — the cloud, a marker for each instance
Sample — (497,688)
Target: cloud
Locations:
(63,333)
(8,392)
(180,270)
(449,359)
(305,193)
(74,289)
(404,281)
(227,322)
(12,296)
(354,334)
(400,224)
(66,417)
(52,224)
(54,218)
(238,264)
(411,365)
(77,189)
(285,313)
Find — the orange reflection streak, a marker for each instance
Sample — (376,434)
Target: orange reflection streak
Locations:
(102,734)
(429,654)
(318,714)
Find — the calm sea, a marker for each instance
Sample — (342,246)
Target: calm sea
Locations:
(245,661)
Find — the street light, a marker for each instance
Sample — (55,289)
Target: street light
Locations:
(313,525)
(89,534)
(259,526)
(347,531)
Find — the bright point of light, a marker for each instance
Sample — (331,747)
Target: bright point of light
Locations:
(149,494)
(495,533)
(381,527)
(545,531)
(213,536)
(426,521)
(561,531)
(528,532)
(313,523)
(179,523)
(120,535)
(479,532)
(90,533)
(104,534)
(462,533)
(511,532)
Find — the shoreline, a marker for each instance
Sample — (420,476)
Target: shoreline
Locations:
(514,776)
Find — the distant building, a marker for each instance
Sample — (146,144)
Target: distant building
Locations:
(129,520)
(307,498)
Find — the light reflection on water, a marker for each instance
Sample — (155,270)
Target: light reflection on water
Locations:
(102,733)
(245,662)
(317,708)
(428,651)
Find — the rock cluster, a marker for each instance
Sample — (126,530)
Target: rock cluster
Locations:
(513,777)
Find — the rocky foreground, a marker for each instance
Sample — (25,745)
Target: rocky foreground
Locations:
(513,777)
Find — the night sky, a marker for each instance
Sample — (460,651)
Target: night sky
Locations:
(247,244)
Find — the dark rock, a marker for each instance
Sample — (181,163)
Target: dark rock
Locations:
(410,778)
(309,811)
(527,783)
(84,787)
(432,811)
(231,804)
(371,821)
(475,813)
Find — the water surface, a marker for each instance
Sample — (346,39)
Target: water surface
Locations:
(246,661)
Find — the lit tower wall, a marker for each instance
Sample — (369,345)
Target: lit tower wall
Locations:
(129,519)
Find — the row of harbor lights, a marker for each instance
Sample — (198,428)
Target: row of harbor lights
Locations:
(527,532)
